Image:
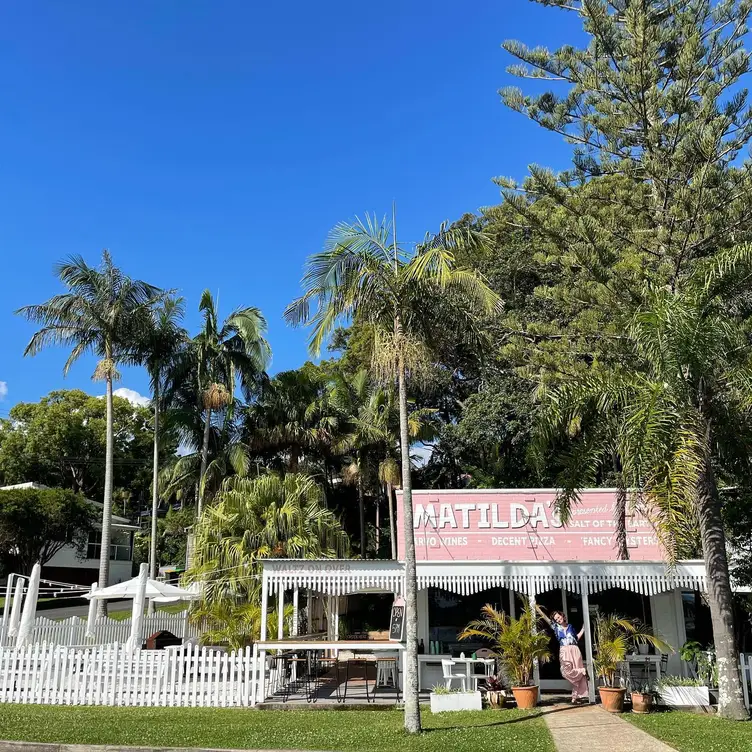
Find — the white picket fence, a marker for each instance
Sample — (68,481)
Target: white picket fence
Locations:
(106,631)
(111,675)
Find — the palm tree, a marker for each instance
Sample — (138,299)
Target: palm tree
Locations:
(159,345)
(252,519)
(224,355)
(682,407)
(363,273)
(101,312)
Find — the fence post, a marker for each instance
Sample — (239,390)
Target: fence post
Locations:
(745,662)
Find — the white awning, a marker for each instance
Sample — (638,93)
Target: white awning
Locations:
(345,576)
(155,590)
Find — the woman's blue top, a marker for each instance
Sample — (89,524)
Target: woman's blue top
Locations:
(565,635)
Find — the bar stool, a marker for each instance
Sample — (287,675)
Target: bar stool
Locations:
(387,672)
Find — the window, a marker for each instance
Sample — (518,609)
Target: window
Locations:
(120,546)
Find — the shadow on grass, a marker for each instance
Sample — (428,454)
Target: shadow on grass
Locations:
(541,713)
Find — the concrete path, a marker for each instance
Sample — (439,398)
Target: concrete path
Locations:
(587,727)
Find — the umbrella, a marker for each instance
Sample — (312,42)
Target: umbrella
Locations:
(154,590)
(30,607)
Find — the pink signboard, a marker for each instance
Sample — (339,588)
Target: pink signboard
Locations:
(512,525)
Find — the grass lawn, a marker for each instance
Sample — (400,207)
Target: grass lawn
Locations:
(692,732)
(344,730)
(173,608)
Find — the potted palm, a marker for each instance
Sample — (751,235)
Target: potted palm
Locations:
(517,644)
(615,636)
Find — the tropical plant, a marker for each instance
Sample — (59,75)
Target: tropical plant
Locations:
(614,637)
(702,660)
(101,312)
(364,274)
(225,355)
(517,643)
(683,410)
(236,624)
(159,345)
(260,518)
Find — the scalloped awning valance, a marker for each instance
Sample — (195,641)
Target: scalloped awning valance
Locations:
(347,576)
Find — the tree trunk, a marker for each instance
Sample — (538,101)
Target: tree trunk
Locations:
(104,552)
(154,494)
(730,700)
(412,706)
(294,459)
(361,508)
(378,525)
(620,514)
(204,462)
(392,526)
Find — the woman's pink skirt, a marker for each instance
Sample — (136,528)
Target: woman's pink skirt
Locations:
(573,670)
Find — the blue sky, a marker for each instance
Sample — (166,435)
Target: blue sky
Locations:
(213,143)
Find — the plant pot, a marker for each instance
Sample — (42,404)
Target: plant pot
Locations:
(453,701)
(685,697)
(612,698)
(641,703)
(496,699)
(526,697)
(643,649)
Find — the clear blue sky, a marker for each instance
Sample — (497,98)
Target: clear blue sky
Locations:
(213,143)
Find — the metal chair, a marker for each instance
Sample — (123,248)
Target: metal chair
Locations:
(449,676)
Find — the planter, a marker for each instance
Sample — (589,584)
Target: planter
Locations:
(612,698)
(685,697)
(643,649)
(496,699)
(526,697)
(641,703)
(455,701)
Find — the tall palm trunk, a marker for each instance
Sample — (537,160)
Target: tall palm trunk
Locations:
(361,507)
(204,462)
(392,526)
(154,495)
(730,700)
(104,553)
(378,525)
(412,706)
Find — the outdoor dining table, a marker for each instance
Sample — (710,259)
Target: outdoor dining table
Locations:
(469,662)
(646,661)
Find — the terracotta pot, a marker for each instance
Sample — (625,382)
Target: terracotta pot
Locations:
(496,699)
(613,698)
(526,697)
(641,703)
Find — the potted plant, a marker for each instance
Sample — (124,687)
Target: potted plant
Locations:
(495,692)
(683,692)
(445,700)
(615,636)
(518,644)
(702,662)
(642,698)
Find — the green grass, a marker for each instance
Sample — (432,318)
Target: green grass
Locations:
(344,731)
(692,732)
(170,609)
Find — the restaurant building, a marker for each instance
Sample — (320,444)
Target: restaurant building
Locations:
(508,548)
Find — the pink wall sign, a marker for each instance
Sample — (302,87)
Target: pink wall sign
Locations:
(515,525)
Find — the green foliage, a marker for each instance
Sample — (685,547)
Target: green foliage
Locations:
(60,442)
(679,681)
(517,643)
(252,519)
(35,523)
(616,636)
(172,539)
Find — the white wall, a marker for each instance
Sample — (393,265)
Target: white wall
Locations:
(668,622)
(120,571)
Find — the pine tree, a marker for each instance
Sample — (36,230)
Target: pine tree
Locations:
(658,120)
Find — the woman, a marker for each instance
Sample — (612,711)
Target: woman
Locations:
(570,657)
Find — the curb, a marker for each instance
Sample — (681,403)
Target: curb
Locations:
(10,746)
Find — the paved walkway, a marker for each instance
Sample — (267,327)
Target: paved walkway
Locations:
(586,727)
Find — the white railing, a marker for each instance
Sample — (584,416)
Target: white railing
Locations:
(73,631)
(745,662)
(111,675)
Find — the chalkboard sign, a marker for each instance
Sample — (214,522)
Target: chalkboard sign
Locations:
(397,623)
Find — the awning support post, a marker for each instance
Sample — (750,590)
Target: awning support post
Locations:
(588,641)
